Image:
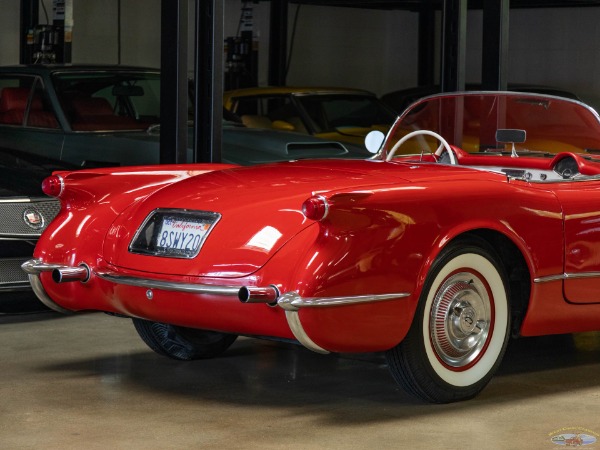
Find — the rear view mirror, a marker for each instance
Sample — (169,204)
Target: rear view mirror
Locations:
(128,91)
(510,136)
(507,136)
(374,141)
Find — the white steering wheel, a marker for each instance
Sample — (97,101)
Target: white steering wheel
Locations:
(443,145)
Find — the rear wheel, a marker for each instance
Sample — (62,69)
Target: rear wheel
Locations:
(181,342)
(460,330)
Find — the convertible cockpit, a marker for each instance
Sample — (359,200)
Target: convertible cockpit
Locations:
(525,136)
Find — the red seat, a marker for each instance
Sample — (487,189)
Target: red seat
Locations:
(13,103)
(86,107)
(96,114)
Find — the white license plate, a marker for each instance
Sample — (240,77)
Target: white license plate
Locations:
(181,235)
(173,233)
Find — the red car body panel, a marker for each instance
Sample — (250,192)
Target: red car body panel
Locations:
(387,222)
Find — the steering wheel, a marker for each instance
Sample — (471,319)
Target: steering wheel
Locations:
(443,144)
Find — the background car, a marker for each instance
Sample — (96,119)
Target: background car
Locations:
(329,113)
(25,213)
(93,116)
(436,258)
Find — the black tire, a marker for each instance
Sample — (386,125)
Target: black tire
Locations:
(461,327)
(182,343)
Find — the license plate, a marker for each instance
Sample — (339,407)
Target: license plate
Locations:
(173,233)
(177,234)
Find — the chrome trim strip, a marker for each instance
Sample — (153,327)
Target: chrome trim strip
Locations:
(291,301)
(39,291)
(549,278)
(33,268)
(565,276)
(298,330)
(36,266)
(171,286)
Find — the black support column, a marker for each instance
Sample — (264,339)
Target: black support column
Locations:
(278,42)
(494,60)
(174,85)
(208,85)
(426,69)
(30,10)
(454,35)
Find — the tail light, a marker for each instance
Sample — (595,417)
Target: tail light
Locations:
(315,208)
(53,186)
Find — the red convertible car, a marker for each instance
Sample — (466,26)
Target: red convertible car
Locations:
(436,258)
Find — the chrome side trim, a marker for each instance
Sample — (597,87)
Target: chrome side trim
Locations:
(231,291)
(565,276)
(291,301)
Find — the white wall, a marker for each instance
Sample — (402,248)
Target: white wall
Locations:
(376,50)
(9,31)
(351,47)
(557,47)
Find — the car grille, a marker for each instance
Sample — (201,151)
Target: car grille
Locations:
(11,274)
(13,222)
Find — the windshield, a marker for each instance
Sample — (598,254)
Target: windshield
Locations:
(98,101)
(470,121)
(330,112)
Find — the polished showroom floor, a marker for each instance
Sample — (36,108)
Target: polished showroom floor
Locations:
(88,382)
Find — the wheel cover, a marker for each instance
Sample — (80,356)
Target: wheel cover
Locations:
(461,320)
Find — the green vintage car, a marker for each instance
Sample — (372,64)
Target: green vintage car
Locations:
(109,115)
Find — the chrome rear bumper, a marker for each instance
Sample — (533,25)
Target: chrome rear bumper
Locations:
(291,302)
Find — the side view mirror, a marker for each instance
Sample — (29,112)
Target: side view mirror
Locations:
(374,141)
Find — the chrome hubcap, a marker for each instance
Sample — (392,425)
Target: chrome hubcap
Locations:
(460,321)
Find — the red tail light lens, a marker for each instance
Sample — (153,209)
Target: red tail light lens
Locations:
(315,208)
(53,186)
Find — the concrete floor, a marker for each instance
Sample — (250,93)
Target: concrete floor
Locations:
(88,382)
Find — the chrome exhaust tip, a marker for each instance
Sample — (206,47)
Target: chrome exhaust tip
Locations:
(68,274)
(252,294)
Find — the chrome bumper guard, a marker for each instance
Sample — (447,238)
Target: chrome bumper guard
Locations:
(291,302)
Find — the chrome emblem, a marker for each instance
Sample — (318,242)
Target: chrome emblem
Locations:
(33,218)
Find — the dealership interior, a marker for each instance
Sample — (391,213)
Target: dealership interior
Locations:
(87,380)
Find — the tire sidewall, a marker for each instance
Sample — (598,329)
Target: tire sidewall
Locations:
(477,260)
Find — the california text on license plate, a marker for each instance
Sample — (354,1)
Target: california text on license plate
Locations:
(177,234)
